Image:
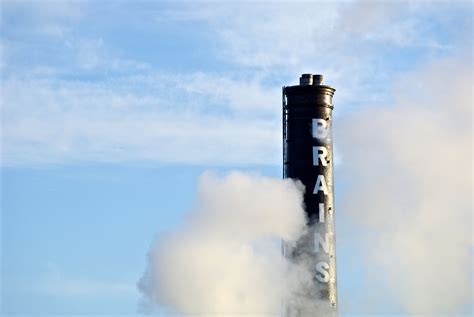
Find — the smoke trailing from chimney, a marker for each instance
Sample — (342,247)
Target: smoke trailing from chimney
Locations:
(226,258)
(407,168)
(406,195)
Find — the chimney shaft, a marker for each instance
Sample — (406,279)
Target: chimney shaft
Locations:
(308,157)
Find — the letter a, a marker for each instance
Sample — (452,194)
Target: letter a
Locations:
(320,185)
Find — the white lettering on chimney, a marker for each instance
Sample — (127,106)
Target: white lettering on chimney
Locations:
(320,128)
(320,185)
(319,154)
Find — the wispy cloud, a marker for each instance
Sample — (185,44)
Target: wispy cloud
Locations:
(196,121)
(55,282)
(80,95)
(58,285)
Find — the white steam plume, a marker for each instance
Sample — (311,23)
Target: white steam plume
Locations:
(406,172)
(408,168)
(226,258)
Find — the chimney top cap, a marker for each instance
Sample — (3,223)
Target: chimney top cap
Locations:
(311,80)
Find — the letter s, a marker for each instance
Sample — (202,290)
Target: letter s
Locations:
(322,268)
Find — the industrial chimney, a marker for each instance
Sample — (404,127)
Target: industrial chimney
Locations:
(308,157)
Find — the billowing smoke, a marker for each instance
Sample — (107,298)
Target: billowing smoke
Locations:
(403,187)
(226,257)
(407,172)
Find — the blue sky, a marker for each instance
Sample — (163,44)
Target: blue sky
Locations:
(112,109)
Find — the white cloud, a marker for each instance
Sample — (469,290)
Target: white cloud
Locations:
(66,286)
(56,121)
(50,18)
(303,34)
(56,283)
(77,99)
